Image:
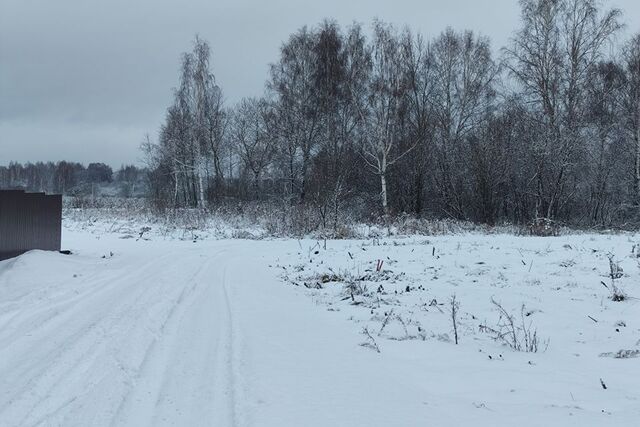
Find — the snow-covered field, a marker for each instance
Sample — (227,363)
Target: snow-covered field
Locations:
(165,331)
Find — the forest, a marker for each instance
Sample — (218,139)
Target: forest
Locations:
(75,180)
(358,123)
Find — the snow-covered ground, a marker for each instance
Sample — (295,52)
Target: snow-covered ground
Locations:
(164,331)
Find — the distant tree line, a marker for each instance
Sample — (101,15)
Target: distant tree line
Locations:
(74,179)
(387,122)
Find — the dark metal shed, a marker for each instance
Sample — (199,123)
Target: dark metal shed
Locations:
(29,221)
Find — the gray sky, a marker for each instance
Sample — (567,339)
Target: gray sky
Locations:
(84,80)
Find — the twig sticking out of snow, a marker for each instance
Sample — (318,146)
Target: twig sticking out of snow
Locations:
(385,322)
(521,337)
(455,306)
(371,342)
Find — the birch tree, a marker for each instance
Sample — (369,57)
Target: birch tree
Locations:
(192,134)
(386,104)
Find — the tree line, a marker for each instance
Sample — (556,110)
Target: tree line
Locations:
(363,123)
(74,179)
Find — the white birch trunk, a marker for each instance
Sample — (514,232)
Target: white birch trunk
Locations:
(202,202)
(383,184)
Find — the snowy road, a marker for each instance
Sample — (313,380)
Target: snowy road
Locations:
(149,344)
(171,335)
(176,333)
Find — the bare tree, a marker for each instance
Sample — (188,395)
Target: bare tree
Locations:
(551,56)
(297,109)
(209,120)
(191,137)
(386,104)
(251,137)
(605,154)
(341,76)
(421,113)
(631,104)
(464,75)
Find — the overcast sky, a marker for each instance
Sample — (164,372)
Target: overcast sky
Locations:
(84,80)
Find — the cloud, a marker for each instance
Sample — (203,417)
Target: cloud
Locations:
(85,72)
(50,140)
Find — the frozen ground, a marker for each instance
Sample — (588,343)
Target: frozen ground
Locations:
(163,331)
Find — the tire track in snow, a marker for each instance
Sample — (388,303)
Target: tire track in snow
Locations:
(28,374)
(147,374)
(187,377)
(58,322)
(232,355)
(79,352)
(44,314)
(148,347)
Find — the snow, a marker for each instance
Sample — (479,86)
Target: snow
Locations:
(164,331)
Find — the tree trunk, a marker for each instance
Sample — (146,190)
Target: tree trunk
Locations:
(636,174)
(175,190)
(303,185)
(202,201)
(383,193)
(256,185)
(292,175)
(418,193)
(637,160)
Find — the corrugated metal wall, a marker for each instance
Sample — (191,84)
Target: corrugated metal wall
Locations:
(29,221)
